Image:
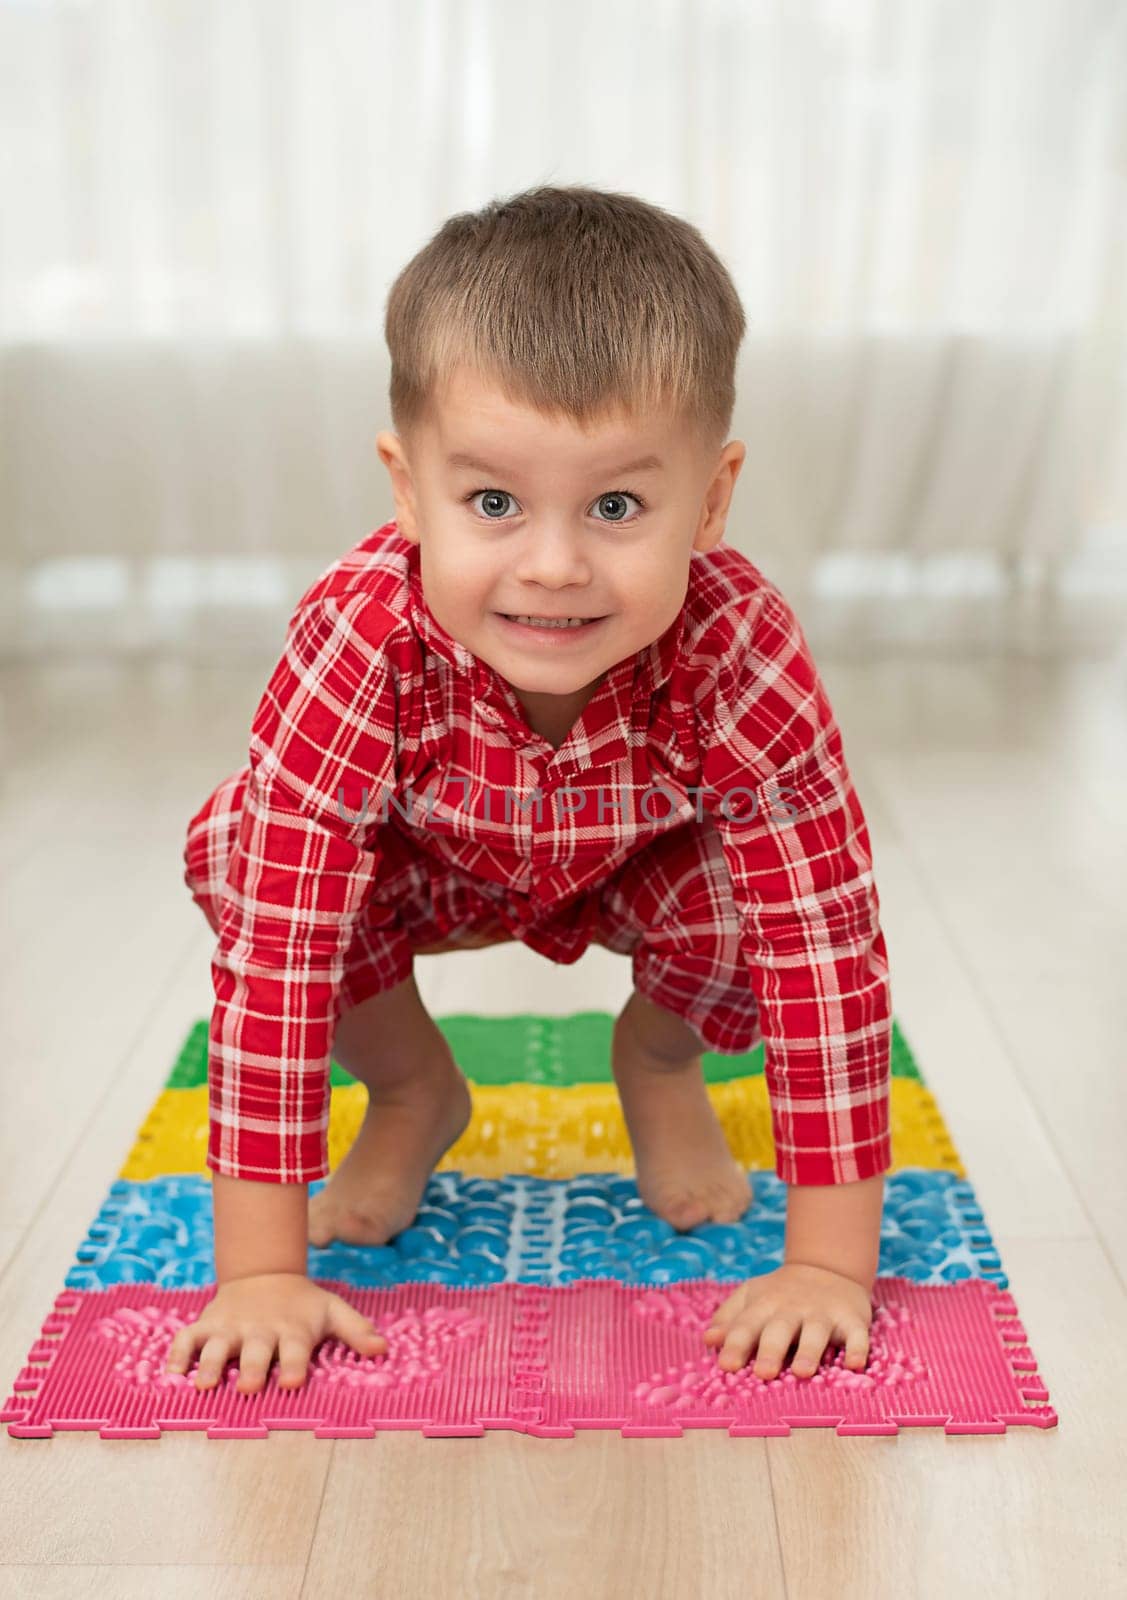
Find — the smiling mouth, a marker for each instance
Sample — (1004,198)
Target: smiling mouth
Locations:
(529,620)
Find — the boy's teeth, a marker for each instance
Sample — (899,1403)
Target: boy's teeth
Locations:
(547,622)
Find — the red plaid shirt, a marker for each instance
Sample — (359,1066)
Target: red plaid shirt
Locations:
(375,713)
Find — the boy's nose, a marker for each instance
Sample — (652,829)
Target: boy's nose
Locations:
(553,556)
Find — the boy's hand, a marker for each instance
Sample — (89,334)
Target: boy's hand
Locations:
(283,1309)
(811,1303)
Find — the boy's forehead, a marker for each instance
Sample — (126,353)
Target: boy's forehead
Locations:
(476,426)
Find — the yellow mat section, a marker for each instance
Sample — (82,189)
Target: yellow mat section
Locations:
(547,1132)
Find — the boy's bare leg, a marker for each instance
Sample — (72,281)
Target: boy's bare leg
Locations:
(686,1172)
(418,1106)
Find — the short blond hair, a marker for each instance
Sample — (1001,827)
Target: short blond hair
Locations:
(574,301)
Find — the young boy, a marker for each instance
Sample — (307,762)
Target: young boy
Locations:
(544,703)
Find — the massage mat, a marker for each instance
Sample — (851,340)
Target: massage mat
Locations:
(534,1290)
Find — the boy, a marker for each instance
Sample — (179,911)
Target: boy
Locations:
(545,703)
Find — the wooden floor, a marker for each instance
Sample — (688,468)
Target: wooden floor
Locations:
(996,794)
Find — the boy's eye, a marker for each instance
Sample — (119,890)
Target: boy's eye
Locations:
(494,504)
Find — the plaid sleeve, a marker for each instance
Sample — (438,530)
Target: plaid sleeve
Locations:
(322,762)
(797,848)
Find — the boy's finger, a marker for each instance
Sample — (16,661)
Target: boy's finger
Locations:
(213,1359)
(736,1306)
(739,1340)
(366,1338)
(293,1361)
(180,1351)
(857,1348)
(357,1330)
(774,1342)
(810,1347)
(254,1363)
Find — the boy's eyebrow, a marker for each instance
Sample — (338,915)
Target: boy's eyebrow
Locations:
(642,464)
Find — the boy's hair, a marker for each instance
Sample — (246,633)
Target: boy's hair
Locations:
(574,301)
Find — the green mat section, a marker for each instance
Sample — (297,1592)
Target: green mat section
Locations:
(526,1048)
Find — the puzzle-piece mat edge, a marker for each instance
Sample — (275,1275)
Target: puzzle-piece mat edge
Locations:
(999,1321)
(173,1136)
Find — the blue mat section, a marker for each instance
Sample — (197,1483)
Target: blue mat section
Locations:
(471,1231)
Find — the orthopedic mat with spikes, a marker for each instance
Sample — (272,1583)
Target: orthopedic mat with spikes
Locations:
(534,1290)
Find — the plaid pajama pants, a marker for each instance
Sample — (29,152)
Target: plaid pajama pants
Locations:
(669,907)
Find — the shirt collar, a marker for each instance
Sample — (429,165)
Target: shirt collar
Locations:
(631,681)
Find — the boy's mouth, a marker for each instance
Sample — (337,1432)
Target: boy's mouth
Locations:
(548,624)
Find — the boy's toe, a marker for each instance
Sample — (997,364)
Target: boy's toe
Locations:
(692,1214)
(683,1210)
(729,1201)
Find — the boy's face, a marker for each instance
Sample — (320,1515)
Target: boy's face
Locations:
(548,528)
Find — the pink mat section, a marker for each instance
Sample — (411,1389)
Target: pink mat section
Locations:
(543,1361)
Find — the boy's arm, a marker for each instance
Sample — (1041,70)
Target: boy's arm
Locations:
(259,1227)
(836,1226)
(797,848)
(322,759)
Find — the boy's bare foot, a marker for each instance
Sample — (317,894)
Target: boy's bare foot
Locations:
(375,1192)
(686,1172)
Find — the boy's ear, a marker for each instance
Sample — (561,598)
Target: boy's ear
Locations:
(391,453)
(718,497)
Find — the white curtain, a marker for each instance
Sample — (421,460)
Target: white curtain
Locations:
(204,202)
